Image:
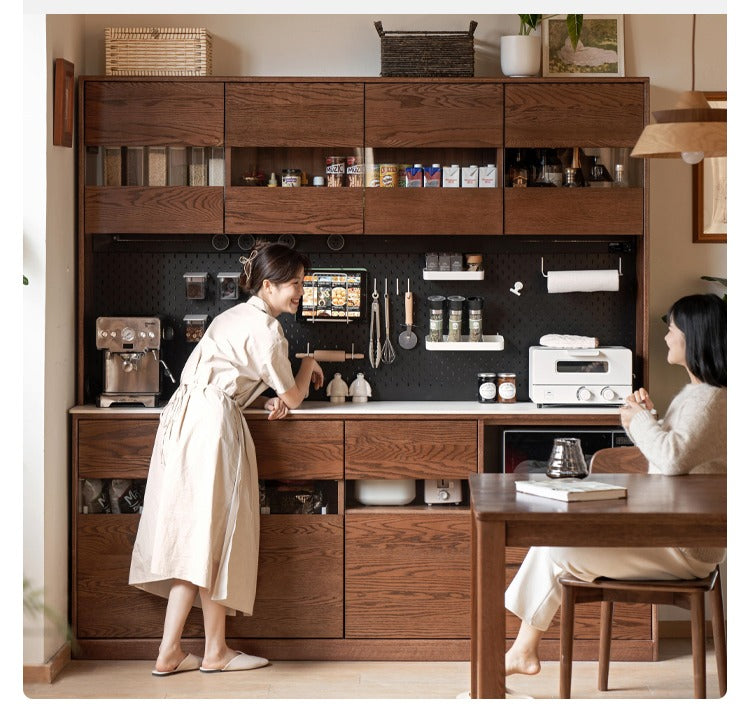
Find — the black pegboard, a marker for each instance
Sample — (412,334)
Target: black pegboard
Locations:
(144,276)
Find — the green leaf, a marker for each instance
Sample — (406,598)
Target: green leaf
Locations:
(529,23)
(575,25)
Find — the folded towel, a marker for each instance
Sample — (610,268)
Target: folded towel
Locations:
(568,341)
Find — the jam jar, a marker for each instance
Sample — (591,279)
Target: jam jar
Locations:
(486,388)
(506,388)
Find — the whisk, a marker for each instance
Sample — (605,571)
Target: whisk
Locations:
(388,352)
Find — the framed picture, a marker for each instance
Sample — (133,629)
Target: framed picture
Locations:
(600,51)
(710,190)
(63,99)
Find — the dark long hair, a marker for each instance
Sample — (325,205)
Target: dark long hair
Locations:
(703,321)
(271,261)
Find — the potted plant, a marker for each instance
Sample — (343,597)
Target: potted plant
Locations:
(521,54)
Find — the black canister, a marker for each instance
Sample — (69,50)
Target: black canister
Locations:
(486,388)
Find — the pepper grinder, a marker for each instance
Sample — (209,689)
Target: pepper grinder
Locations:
(360,390)
(337,389)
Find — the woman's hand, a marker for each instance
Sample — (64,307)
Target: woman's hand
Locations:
(316,377)
(642,398)
(277,407)
(635,403)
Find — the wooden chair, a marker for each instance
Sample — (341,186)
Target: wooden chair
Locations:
(687,594)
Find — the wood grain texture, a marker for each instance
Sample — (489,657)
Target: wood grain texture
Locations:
(290,449)
(419,449)
(166,210)
(302,210)
(323,114)
(410,212)
(162,112)
(583,211)
(408,576)
(445,114)
(111,448)
(300,579)
(599,114)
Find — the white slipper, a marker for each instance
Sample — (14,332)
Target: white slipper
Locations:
(241,662)
(190,663)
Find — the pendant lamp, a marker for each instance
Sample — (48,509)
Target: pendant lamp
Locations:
(691,130)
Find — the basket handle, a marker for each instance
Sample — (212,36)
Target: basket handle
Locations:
(472,27)
(379,28)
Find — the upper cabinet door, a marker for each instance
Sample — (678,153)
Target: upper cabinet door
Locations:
(433,114)
(574,114)
(303,114)
(154,113)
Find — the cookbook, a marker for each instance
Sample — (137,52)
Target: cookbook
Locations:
(571,489)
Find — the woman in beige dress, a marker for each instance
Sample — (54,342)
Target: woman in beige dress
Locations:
(197,541)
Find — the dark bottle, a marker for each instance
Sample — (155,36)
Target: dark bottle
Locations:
(598,173)
(518,173)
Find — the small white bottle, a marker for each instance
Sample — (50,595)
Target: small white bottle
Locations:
(360,390)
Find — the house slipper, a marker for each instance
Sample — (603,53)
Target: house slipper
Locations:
(190,663)
(241,662)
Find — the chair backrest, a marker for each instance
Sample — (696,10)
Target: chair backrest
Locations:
(619,459)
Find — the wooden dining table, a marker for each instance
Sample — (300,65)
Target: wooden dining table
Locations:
(687,511)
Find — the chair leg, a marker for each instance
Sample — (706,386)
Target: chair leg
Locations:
(698,632)
(568,611)
(605,644)
(720,637)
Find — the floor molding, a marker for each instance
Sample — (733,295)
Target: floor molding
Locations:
(47,672)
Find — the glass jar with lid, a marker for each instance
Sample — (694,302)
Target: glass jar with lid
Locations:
(455,317)
(506,388)
(436,303)
(476,307)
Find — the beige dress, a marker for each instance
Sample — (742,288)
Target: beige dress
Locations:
(200,518)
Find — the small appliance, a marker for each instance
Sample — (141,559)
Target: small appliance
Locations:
(131,359)
(590,377)
(442,491)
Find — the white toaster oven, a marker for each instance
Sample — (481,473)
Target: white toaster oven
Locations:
(592,377)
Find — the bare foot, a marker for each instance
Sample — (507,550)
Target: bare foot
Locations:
(521,663)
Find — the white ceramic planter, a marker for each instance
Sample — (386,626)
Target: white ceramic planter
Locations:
(520,55)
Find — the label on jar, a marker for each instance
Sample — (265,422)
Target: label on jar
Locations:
(388,175)
(487,392)
(507,391)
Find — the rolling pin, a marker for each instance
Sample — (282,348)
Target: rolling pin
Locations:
(329,355)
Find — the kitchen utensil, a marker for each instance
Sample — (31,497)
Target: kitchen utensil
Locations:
(567,459)
(329,355)
(374,351)
(407,339)
(389,353)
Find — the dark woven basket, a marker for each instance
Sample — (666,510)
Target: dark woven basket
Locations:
(429,53)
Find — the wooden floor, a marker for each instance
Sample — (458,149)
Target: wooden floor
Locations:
(670,677)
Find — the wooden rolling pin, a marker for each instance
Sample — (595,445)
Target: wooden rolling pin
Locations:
(329,355)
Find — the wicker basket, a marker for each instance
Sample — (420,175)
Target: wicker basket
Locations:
(157,51)
(430,53)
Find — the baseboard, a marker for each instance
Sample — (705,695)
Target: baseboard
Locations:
(48,672)
(679,629)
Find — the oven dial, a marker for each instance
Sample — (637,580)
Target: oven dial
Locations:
(444,494)
(583,394)
(608,394)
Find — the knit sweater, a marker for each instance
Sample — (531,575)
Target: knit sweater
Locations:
(691,439)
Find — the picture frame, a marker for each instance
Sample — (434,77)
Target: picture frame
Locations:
(601,40)
(63,99)
(710,189)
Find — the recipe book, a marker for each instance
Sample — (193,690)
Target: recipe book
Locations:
(571,489)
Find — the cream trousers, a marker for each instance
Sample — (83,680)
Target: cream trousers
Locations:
(535,594)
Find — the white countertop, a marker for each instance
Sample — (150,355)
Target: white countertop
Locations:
(421,408)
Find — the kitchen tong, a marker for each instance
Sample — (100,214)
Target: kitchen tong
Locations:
(374,350)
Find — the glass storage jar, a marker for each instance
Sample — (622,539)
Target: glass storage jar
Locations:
(436,303)
(455,317)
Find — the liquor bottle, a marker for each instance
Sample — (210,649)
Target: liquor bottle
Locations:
(599,174)
(518,174)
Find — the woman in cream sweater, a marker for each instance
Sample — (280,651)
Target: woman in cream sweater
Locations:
(691,439)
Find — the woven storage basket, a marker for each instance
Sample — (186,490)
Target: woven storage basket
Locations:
(157,51)
(429,53)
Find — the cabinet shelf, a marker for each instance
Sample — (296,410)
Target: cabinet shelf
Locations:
(453,275)
(490,342)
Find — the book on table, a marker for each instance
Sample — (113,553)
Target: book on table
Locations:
(571,489)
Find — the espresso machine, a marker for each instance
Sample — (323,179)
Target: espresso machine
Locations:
(131,359)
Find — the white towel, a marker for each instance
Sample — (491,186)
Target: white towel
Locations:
(568,341)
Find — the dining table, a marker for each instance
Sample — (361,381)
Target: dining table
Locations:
(659,510)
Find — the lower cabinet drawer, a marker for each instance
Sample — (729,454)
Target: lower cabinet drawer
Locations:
(114,448)
(408,575)
(300,585)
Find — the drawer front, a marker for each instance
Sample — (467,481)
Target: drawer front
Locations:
(418,449)
(572,114)
(408,575)
(300,579)
(115,448)
(164,210)
(294,114)
(411,212)
(303,210)
(298,449)
(153,113)
(433,115)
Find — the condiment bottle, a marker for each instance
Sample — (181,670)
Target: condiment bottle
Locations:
(476,307)
(486,388)
(455,317)
(436,303)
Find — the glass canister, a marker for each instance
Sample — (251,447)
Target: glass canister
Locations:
(291,177)
(486,388)
(476,310)
(436,304)
(455,317)
(506,388)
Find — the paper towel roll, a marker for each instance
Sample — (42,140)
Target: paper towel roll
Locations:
(582,281)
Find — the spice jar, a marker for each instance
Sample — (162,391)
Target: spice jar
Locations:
(506,388)
(291,177)
(486,388)
(476,309)
(436,303)
(455,316)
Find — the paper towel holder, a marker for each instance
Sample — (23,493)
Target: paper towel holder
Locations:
(619,268)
